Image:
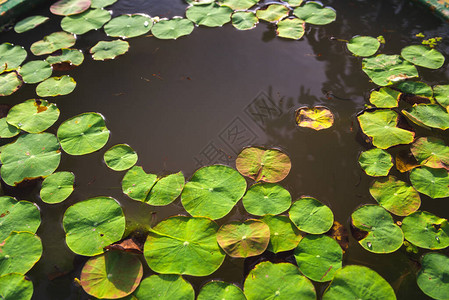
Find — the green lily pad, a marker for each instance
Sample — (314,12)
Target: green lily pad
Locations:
(358,282)
(83,134)
(184,245)
(423,56)
(395,196)
(111,275)
(315,13)
(102,3)
(266,198)
(56,86)
(18,216)
(290,29)
(93,224)
(381,126)
(29,23)
(109,50)
(72,56)
(383,235)
(35,71)
(318,257)
(172,29)
(376,162)
(166,189)
(128,26)
(14,286)
(210,15)
(431,152)
(137,184)
(30,156)
(363,46)
(57,187)
(431,182)
(281,281)
(219,290)
(244,20)
(7,130)
(432,278)
(91,19)
(441,94)
(317,118)
(165,287)
(311,216)
(9,83)
(385,98)
(284,235)
(11,57)
(294,3)
(19,252)
(273,13)
(213,191)
(120,157)
(425,230)
(69,7)
(238,4)
(388,69)
(52,42)
(269,165)
(428,115)
(246,239)
(33,115)
(416,88)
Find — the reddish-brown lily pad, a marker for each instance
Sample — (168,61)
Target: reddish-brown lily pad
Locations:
(69,7)
(317,118)
(431,152)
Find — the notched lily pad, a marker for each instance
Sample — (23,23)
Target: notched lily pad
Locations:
(56,86)
(219,290)
(109,50)
(388,69)
(431,152)
(273,13)
(15,286)
(363,46)
(428,115)
(120,157)
(9,83)
(244,20)
(290,28)
(73,57)
(91,19)
(238,4)
(432,278)
(423,56)
(311,216)
(52,42)
(426,230)
(385,98)
(315,13)
(33,115)
(69,7)
(35,71)
(57,187)
(166,189)
(172,29)
(431,182)
(210,15)
(376,162)
(128,26)
(266,198)
(137,184)
(284,235)
(317,118)
(11,57)
(29,23)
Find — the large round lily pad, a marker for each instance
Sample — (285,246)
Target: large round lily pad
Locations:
(165,287)
(128,26)
(52,42)
(11,57)
(69,7)
(14,286)
(385,98)
(9,83)
(71,56)
(426,230)
(388,69)
(423,56)
(363,46)
(432,278)
(290,28)
(109,50)
(213,191)
(184,245)
(137,184)
(311,216)
(210,15)
(317,118)
(272,13)
(219,290)
(284,235)
(172,29)
(281,281)
(266,198)
(93,224)
(91,19)
(30,156)
(431,152)
(428,115)
(83,134)
(33,115)
(35,71)
(57,187)
(166,189)
(29,23)
(7,130)
(120,157)
(238,4)
(376,162)
(244,20)
(441,94)
(315,13)
(246,239)
(56,86)
(431,182)
(111,275)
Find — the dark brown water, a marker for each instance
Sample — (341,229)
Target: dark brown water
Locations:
(200,99)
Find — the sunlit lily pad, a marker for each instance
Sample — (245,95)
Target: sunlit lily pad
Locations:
(266,198)
(315,13)
(431,182)
(358,282)
(272,13)
(432,278)
(120,157)
(56,86)
(9,83)
(219,290)
(385,98)
(111,275)
(109,50)
(69,7)
(210,15)
(431,152)
(53,42)
(383,235)
(19,252)
(14,286)
(294,3)
(381,126)
(244,20)
(128,26)
(35,71)
(184,245)
(388,69)
(376,162)
(91,19)
(290,29)
(102,3)
(166,189)
(57,187)
(395,196)
(238,4)
(213,191)
(246,239)
(311,216)
(11,57)
(165,287)
(363,46)
(72,56)
(284,235)
(441,94)
(30,156)
(29,23)
(17,216)
(428,115)
(281,281)
(269,165)
(7,130)
(317,118)
(172,29)
(426,230)
(416,88)
(93,224)
(423,56)
(137,184)
(83,134)
(318,257)
(33,115)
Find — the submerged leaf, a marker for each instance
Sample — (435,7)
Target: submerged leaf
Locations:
(219,290)
(109,50)
(69,7)
(91,19)
(273,13)
(137,184)
(385,98)
(244,20)
(376,162)
(284,235)
(9,83)
(426,230)
(311,216)
(432,278)
(52,42)
(172,29)
(388,69)
(315,13)
(166,189)
(165,287)
(120,157)
(266,198)
(11,57)
(290,29)
(14,286)
(317,118)
(210,15)
(128,26)
(57,187)
(423,56)
(431,152)
(29,23)
(431,182)
(35,71)
(363,46)
(33,115)
(428,115)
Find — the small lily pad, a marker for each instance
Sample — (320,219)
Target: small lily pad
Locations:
(57,187)
(290,29)
(416,88)
(11,57)
(428,115)
(395,196)
(137,184)
(425,230)
(315,13)
(102,3)
(165,287)
(172,29)
(120,157)
(311,216)
(33,115)
(376,162)
(385,98)
(72,56)
(423,56)
(246,239)
(91,19)
(35,71)
(9,83)
(431,152)
(317,118)
(431,182)
(210,15)
(128,26)
(294,3)
(219,290)
(388,69)
(56,86)
(109,50)
(83,134)
(284,235)
(266,198)
(432,278)
(52,42)
(441,94)
(238,4)
(269,165)
(92,224)
(273,13)
(244,20)
(29,23)
(166,189)
(69,7)
(363,46)
(14,286)
(7,130)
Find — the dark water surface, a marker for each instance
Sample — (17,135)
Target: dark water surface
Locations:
(198,100)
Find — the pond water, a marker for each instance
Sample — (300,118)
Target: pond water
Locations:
(200,99)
